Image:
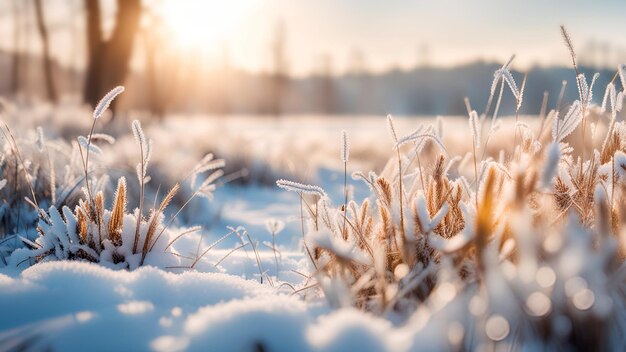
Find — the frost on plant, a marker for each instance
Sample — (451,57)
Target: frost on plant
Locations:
(533,240)
(115,237)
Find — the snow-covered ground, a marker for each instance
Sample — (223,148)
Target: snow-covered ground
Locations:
(79,306)
(223,303)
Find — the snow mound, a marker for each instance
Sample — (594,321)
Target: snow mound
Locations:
(67,306)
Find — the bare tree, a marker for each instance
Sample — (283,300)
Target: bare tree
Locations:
(356,62)
(108,59)
(279,69)
(327,91)
(47,62)
(357,67)
(226,75)
(423,55)
(15,60)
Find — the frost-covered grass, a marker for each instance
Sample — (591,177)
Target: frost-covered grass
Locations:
(523,250)
(89,232)
(472,233)
(35,174)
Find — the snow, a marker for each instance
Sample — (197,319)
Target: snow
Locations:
(221,304)
(263,323)
(66,305)
(344,250)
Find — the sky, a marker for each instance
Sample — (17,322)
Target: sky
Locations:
(384,34)
(393,32)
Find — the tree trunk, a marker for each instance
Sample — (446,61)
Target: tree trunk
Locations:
(47,63)
(108,60)
(15,61)
(91,91)
(279,76)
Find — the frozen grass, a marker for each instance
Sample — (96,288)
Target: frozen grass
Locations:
(89,232)
(476,233)
(523,250)
(37,174)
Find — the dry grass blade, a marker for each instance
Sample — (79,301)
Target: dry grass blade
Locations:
(211,246)
(117,213)
(148,241)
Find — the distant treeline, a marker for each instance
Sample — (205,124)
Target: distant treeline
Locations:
(421,91)
(194,88)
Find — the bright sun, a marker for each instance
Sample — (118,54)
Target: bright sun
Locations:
(200,23)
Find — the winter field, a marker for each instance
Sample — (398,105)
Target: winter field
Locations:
(153,307)
(491,231)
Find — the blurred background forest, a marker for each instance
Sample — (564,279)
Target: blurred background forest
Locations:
(182,57)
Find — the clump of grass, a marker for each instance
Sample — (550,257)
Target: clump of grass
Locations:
(274,227)
(37,173)
(531,254)
(115,237)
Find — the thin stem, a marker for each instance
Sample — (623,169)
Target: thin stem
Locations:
(172,218)
(229,253)
(582,101)
(18,156)
(475,174)
(52,176)
(141,190)
(345,202)
(542,113)
(517,109)
(308,251)
(362,239)
(493,119)
(256,255)
(86,160)
(401,191)
(192,230)
(497,109)
(274,250)
(559,101)
(584,124)
(419,166)
(220,240)
(92,206)
(516,129)
(612,180)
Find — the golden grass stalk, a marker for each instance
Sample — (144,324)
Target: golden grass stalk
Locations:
(484,218)
(147,243)
(117,213)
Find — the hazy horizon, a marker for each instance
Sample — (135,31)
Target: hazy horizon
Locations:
(338,37)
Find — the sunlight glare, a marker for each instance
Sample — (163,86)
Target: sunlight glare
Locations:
(196,23)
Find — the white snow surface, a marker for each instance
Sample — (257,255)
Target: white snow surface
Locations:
(73,306)
(79,306)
